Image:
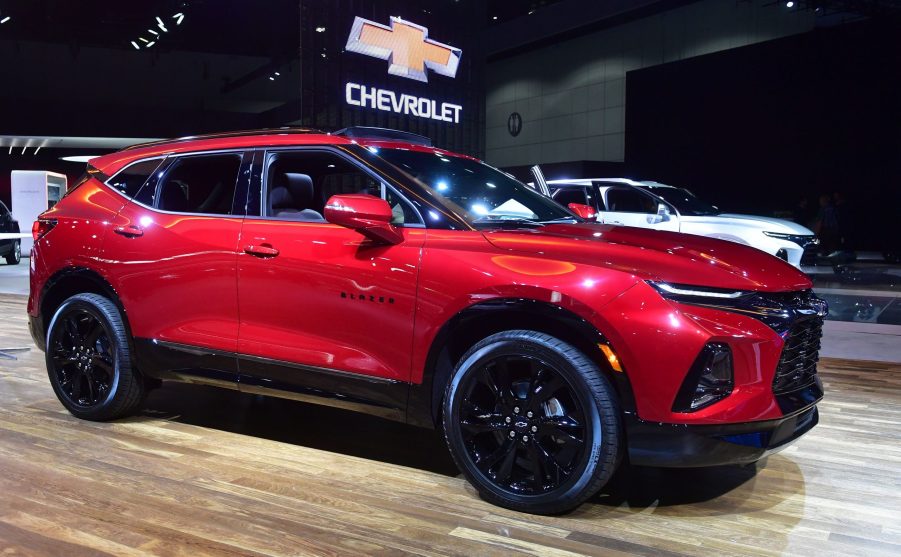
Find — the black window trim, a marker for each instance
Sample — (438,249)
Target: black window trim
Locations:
(166,166)
(264,175)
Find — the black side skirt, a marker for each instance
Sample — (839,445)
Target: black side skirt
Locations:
(169,361)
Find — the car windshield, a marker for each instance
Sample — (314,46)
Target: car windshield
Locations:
(683,200)
(484,196)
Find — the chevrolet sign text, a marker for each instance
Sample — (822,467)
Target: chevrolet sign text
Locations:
(389,101)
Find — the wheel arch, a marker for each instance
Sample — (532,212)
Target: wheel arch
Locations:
(485,318)
(69,282)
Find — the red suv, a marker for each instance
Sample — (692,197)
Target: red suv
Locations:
(369,270)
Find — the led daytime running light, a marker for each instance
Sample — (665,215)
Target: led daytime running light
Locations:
(701,293)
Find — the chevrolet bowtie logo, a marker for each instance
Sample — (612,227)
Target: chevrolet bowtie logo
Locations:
(406,46)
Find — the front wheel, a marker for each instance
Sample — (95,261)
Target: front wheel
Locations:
(15,255)
(532,422)
(89,362)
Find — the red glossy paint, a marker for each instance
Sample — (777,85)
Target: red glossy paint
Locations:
(325,295)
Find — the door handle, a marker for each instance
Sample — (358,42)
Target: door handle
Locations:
(130,231)
(261,251)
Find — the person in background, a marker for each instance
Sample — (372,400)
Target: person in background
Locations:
(803,213)
(826,226)
(844,223)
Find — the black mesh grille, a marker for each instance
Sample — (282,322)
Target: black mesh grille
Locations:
(798,364)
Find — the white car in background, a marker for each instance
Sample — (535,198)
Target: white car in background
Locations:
(654,205)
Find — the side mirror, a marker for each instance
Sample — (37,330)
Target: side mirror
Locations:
(584,211)
(367,214)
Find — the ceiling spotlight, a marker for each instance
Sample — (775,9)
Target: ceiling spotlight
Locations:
(136,45)
(276,73)
(320,29)
(154,32)
(161,25)
(151,43)
(143,40)
(79,158)
(494,17)
(271,78)
(179,17)
(5,19)
(789,4)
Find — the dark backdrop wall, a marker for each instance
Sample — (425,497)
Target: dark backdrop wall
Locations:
(328,67)
(757,128)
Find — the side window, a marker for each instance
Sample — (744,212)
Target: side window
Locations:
(4,212)
(629,200)
(131,179)
(565,196)
(200,184)
(299,183)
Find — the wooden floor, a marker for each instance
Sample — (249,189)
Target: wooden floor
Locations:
(208,472)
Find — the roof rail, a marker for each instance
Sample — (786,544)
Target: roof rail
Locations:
(366,132)
(221,135)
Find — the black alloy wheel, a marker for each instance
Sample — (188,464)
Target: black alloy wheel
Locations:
(532,422)
(521,424)
(15,254)
(88,359)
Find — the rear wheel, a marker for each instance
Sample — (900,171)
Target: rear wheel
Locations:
(532,422)
(15,254)
(88,360)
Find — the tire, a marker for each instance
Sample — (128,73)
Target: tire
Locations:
(532,422)
(89,360)
(15,254)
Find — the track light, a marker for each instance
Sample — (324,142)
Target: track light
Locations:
(136,45)
(179,17)
(789,4)
(5,19)
(151,43)
(154,32)
(161,25)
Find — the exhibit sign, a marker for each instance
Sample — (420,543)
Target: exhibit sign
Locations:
(411,54)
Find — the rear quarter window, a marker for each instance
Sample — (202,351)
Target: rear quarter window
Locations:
(131,180)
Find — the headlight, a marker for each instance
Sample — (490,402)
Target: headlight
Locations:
(686,292)
(802,240)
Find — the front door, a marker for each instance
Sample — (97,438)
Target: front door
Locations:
(630,206)
(317,300)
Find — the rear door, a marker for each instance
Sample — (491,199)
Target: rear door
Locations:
(172,254)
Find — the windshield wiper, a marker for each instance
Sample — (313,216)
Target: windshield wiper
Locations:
(561,220)
(507,220)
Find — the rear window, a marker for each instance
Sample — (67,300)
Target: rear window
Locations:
(131,179)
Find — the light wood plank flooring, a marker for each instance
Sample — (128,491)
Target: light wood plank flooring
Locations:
(209,472)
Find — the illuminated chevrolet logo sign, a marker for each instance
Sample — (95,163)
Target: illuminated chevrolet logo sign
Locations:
(405,46)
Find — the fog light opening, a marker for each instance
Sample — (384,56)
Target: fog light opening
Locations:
(709,380)
(611,356)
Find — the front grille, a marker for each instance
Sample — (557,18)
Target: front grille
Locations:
(797,366)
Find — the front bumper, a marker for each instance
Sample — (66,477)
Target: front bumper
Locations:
(692,446)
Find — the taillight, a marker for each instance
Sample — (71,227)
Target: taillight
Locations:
(41,227)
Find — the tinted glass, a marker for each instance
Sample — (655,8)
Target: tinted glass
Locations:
(131,179)
(565,196)
(298,185)
(200,184)
(483,195)
(684,201)
(621,199)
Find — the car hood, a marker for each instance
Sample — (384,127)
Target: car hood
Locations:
(656,255)
(768,224)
